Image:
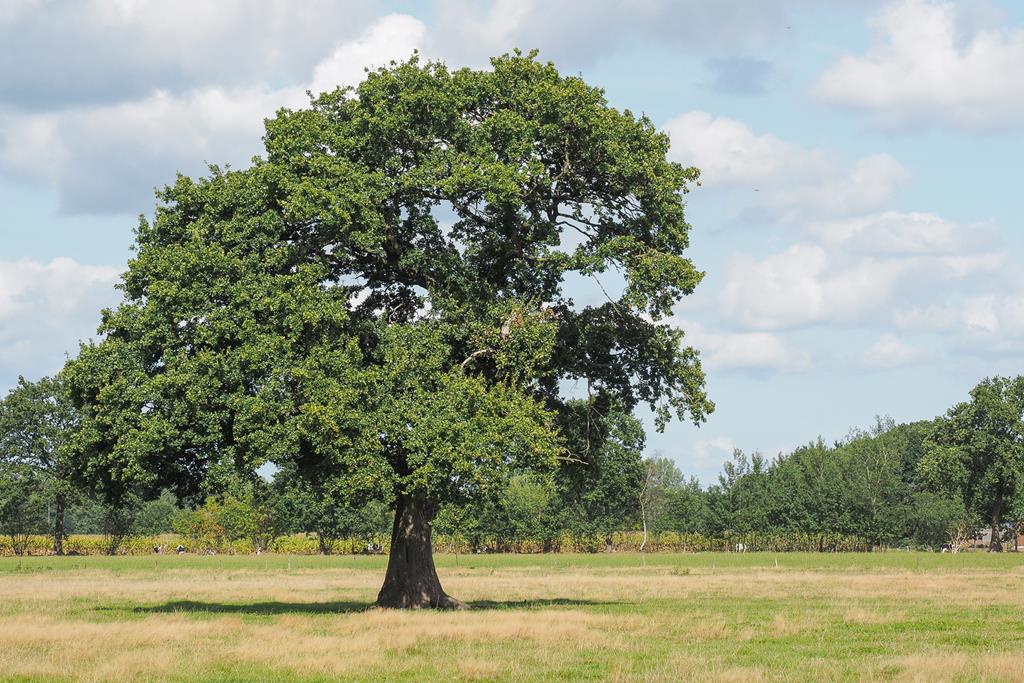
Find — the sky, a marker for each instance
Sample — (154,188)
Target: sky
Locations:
(858,217)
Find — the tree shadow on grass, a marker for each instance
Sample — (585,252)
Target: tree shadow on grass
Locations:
(257,608)
(537,604)
(338,607)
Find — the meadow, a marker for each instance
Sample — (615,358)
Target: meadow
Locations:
(620,617)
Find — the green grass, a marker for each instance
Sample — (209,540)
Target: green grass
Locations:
(754,616)
(862,562)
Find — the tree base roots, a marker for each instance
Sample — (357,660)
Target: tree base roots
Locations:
(404,601)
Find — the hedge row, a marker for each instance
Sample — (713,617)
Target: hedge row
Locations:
(631,541)
(307,544)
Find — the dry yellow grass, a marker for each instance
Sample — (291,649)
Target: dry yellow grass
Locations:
(584,623)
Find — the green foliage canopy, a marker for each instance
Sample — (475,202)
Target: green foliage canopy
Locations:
(380,300)
(976,452)
(37,423)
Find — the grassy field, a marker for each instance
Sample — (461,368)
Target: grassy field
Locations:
(892,616)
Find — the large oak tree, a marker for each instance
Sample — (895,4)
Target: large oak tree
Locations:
(381,300)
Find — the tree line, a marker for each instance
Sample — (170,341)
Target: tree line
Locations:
(927,484)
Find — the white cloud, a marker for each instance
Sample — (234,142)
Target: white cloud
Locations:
(10,10)
(781,290)
(808,284)
(708,456)
(32,144)
(719,443)
(477,30)
(933,62)
(729,152)
(755,352)
(393,37)
(44,309)
(890,352)
(869,184)
(982,324)
(104,51)
(895,232)
(139,144)
(858,265)
(784,179)
(567,30)
(54,288)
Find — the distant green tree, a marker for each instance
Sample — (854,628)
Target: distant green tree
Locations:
(877,493)
(333,520)
(22,505)
(332,513)
(250,516)
(909,441)
(117,522)
(686,508)
(527,510)
(1014,514)
(744,493)
(36,426)
(976,451)
(463,523)
(599,488)
(202,527)
(935,520)
(809,492)
(157,516)
(661,480)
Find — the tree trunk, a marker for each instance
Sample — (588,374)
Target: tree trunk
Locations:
(411,580)
(643,518)
(996,544)
(324,543)
(58,525)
